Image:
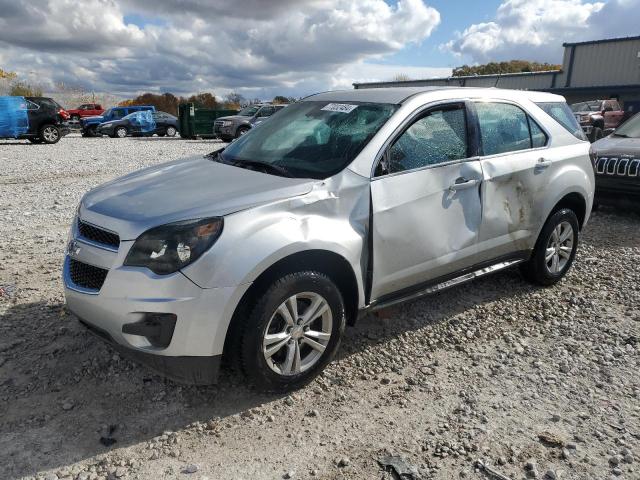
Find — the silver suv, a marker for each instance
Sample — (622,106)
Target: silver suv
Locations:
(341,204)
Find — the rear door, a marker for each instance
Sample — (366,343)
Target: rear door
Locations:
(426,201)
(516,166)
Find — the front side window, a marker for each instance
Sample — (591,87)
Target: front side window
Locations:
(562,114)
(438,137)
(310,139)
(505,128)
(118,113)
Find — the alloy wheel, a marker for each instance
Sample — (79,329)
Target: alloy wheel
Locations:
(559,248)
(297,333)
(50,134)
(121,132)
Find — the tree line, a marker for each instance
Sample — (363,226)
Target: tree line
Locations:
(168,102)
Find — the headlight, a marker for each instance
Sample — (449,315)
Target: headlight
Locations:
(226,123)
(168,248)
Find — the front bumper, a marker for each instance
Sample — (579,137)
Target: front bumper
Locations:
(188,370)
(130,294)
(105,130)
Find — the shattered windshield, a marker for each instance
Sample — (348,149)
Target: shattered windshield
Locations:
(311,139)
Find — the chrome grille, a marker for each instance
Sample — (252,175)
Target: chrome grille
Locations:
(98,235)
(86,276)
(619,167)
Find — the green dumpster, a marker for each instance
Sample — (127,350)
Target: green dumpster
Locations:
(196,122)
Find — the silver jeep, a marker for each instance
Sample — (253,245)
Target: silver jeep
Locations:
(343,203)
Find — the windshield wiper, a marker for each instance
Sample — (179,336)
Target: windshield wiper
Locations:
(250,164)
(269,167)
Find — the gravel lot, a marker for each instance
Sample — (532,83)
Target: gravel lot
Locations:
(533,383)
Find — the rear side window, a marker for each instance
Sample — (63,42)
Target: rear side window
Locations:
(507,128)
(561,113)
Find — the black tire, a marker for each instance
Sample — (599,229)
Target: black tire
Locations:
(251,356)
(171,131)
(537,270)
(120,132)
(49,134)
(241,131)
(90,132)
(596,134)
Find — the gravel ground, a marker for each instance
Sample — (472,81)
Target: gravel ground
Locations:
(529,382)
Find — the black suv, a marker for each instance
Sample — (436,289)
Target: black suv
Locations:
(44,120)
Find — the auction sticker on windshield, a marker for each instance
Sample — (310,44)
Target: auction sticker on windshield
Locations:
(339,107)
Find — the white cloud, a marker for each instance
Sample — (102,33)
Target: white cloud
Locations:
(536,29)
(190,45)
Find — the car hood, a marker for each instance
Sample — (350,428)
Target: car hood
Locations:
(234,117)
(613,145)
(185,189)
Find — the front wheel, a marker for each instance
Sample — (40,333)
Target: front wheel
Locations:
(49,134)
(120,132)
(293,331)
(171,131)
(596,134)
(555,249)
(241,131)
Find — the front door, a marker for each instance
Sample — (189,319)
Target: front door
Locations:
(426,202)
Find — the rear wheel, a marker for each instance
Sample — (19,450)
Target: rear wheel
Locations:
(293,331)
(555,249)
(49,134)
(171,131)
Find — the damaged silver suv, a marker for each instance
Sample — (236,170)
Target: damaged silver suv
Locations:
(343,203)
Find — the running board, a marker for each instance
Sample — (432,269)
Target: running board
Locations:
(467,277)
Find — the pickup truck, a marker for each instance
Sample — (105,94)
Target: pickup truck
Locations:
(85,110)
(598,117)
(89,125)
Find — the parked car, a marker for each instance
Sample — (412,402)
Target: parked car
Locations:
(163,124)
(234,126)
(342,204)
(89,125)
(37,119)
(617,165)
(86,110)
(598,117)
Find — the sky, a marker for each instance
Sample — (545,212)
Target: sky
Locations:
(263,48)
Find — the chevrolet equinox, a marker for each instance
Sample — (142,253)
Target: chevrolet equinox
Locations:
(339,205)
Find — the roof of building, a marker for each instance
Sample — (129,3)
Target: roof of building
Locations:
(398,95)
(603,40)
(457,78)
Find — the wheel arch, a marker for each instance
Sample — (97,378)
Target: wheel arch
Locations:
(334,265)
(575,202)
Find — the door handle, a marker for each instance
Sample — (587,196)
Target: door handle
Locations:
(543,163)
(463,183)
